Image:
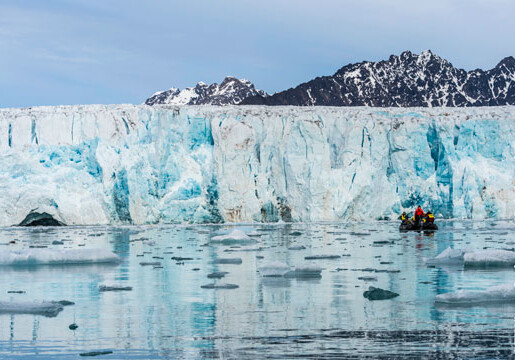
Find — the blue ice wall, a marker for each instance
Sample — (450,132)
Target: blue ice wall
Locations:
(135,164)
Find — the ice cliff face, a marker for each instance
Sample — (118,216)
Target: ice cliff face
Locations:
(142,164)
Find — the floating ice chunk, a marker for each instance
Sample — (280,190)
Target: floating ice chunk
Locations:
(448,257)
(65,302)
(305,271)
(253,233)
(490,258)
(235,261)
(246,229)
(233,235)
(322,257)
(297,247)
(500,293)
(247,249)
(96,353)
(217,275)
(45,308)
(30,257)
(275,268)
(103,288)
(219,286)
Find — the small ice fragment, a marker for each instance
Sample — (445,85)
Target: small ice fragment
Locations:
(367,278)
(305,272)
(150,263)
(322,257)
(233,238)
(233,235)
(114,288)
(65,302)
(297,247)
(217,275)
(235,261)
(96,353)
(219,286)
(275,268)
(382,242)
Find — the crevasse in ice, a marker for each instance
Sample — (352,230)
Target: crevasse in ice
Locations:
(101,164)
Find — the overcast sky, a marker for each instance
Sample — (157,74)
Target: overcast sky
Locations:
(112,51)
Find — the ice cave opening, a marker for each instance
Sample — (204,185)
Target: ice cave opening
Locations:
(40,219)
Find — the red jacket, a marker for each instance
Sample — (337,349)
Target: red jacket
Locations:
(419,212)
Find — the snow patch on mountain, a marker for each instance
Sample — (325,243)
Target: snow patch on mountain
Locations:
(231,91)
(406,80)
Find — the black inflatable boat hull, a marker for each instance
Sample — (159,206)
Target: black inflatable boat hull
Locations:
(413,227)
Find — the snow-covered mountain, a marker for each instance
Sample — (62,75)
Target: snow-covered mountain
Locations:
(141,164)
(231,91)
(403,81)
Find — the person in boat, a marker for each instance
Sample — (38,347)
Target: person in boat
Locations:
(429,218)
(405,219)
(419,214)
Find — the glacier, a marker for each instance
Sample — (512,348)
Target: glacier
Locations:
(136,164)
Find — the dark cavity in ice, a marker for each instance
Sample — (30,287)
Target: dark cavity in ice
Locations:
(40,219)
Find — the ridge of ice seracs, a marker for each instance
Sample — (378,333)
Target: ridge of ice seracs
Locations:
(115,164)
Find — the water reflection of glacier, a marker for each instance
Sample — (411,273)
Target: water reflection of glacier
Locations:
(168,315)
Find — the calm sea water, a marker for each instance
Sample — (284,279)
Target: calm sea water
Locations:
(168,315)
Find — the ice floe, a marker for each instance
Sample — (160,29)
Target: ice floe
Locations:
(45,308)
(479,258)
(30,257)
(494,294)
(234,237)
(305,271)
(220,286)
(275,268)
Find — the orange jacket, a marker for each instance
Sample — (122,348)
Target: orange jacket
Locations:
(419,212)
